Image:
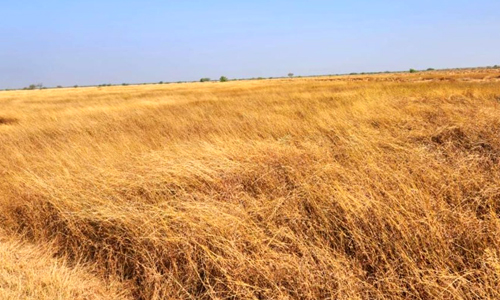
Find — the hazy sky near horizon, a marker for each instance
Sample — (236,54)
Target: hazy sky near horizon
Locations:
(94,42)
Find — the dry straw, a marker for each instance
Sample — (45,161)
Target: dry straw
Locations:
(376,187)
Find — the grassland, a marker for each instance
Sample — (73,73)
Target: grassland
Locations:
(354,187)
(29,272)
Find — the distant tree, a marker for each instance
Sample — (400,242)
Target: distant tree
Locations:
(75,86)
(430,69)
(413,71)
(34,86)
(496,66)
(161,82)
(59,86)
(290,75)
(124,84)
(223,79)
(204,79)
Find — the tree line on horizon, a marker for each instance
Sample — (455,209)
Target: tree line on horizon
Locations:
(40,86)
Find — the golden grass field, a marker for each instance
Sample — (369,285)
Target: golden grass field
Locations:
(354,187)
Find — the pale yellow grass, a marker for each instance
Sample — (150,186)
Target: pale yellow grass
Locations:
(387,187)
(28,272)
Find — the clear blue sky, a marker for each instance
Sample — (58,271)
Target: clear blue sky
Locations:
(111,41)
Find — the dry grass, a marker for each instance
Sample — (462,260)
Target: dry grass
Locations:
(6,121)
(383,187)
(28,272)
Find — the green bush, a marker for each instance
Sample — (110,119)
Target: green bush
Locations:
(413,71)
(223,79)
(205,79)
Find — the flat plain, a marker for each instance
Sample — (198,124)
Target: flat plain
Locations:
(344,187)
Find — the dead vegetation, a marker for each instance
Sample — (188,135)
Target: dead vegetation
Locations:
(281,189)
(6,121)
(29,272)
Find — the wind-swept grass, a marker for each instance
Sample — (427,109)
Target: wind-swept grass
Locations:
(29,272)
(377,187)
